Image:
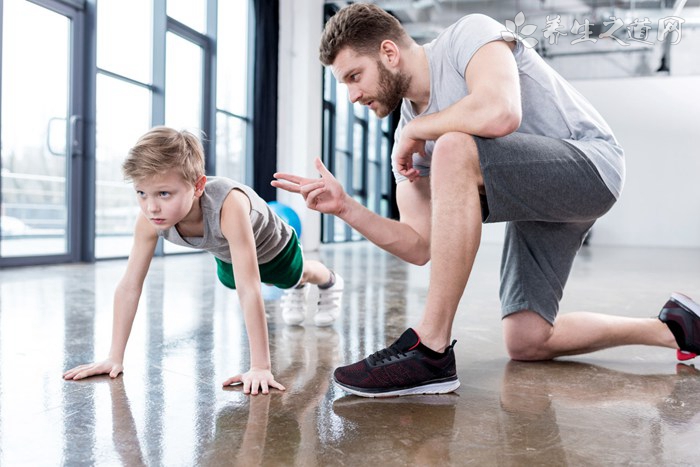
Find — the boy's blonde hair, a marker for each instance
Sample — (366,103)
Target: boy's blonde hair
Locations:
(162,149)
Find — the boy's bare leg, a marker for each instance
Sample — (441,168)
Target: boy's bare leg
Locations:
(315,273)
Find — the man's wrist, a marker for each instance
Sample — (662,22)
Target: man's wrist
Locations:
(345,212)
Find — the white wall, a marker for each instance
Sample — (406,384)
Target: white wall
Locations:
(300,104)
(657,122)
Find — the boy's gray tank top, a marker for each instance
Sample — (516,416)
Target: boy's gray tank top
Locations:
(270,232)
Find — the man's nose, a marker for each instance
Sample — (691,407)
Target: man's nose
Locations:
(354,95)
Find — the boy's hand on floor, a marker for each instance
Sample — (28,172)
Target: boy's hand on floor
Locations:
(255,379)
(91,369)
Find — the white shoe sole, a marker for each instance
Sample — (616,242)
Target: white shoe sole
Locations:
(433,388)
(323,322)
(686,302)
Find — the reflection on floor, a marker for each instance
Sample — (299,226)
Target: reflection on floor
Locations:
(632,405)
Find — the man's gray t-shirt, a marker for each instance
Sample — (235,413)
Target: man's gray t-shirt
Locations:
(550,105)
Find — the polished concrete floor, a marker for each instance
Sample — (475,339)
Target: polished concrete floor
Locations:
(626,406)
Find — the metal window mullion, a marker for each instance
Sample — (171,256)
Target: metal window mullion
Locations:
(378,162)
(72,4)
(2,10)
(328,156)
(184,31)
(76,134)
(209,89)
(123,78)
(364,124)
(349,167)
(249,156)
(233,115)
(89,87)
(63,7)
(158,76)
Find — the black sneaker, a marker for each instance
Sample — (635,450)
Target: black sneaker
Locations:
(682,316)
(405,367)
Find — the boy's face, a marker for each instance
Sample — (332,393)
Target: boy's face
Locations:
(369,82)
(166,199)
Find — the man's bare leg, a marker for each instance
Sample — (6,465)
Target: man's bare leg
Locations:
(455,233)
(529,337)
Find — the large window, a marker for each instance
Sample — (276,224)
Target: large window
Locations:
(357,148)
(155,63)
(232,98)
(183,80)
(39,120)
(123,113)
(81,81)
(185,74)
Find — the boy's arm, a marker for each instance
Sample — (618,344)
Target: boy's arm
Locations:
(236,227)
(126,300)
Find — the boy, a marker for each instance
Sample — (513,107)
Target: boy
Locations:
(251,244)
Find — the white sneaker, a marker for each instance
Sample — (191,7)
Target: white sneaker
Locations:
(294,305)
(329,301)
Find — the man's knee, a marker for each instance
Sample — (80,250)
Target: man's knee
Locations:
(455,150)
(526,334)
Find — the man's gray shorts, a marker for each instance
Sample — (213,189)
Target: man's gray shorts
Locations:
(550,194)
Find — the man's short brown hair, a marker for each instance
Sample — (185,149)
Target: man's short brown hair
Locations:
(162,149)
(362,27)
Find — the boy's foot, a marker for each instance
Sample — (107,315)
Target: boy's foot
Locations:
(329,301)
(294,305)
(682,316)
(405,367)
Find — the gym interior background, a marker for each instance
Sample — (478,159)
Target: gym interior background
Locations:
(82,79)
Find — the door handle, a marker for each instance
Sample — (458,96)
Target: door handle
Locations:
(75,136)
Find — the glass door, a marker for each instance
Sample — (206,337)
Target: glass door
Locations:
(40,132)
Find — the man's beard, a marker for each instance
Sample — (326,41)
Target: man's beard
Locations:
(392,89)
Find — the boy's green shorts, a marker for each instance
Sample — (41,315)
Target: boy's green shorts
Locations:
(284,271)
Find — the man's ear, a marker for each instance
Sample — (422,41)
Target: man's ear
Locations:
(390,53)
(199,185)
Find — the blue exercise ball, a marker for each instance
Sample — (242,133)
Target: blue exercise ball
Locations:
(288,215)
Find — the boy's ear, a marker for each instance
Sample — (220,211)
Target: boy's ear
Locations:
(199,185)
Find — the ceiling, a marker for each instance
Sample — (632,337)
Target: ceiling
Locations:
(424,19)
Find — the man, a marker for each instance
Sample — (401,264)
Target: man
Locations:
(488,132)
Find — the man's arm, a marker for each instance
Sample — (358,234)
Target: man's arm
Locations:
(409,238)
(492,108)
